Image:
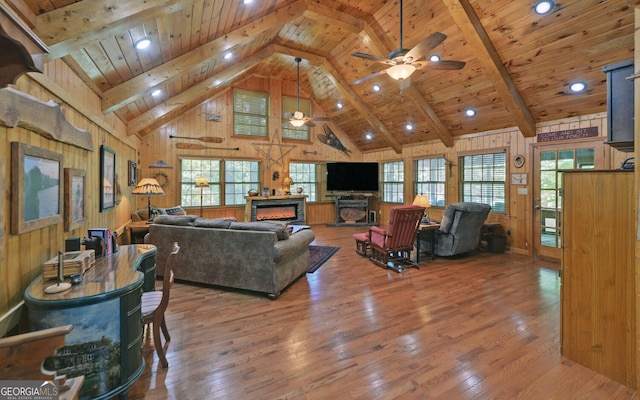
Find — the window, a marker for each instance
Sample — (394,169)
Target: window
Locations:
(239,177)
(192,169)
(431,180)
(393,182)
(250,113)
(304,175)
(484,179)
(289,106)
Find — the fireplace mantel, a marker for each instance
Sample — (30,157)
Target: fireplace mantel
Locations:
(253,202)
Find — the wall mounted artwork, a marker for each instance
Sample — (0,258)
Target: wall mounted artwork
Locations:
(107,178)
(74,198)
(36,179)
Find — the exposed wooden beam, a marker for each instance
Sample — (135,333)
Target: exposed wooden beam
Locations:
(412,93)
(469,23)
(195,95)
(329,16)
(163,74)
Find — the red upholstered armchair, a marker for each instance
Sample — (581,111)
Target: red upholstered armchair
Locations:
(391,248)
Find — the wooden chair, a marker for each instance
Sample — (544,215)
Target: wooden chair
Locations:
(155,303)
(391,248)
(22,357)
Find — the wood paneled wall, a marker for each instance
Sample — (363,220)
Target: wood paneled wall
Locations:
(21,256)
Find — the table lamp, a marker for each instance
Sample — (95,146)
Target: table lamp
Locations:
(148,187)
(423,201)
(287,182)
(201,183)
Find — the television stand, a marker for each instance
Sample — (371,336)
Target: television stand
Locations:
(352,209)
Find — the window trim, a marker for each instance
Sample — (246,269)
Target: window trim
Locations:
(382,181)
(447,163)
(496,150)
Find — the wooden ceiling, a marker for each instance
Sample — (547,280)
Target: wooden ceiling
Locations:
(518,63)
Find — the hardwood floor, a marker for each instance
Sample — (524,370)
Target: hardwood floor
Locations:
(484,326)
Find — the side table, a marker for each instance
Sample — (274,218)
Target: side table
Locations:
(137,231)
(425,231)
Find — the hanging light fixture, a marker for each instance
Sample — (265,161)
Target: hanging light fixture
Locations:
(298,116)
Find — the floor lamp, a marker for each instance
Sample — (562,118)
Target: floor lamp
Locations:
(148,187)
(201,183)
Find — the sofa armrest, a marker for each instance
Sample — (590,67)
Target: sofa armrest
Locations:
(288,247)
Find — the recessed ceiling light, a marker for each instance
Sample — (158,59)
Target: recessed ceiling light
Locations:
(470,112)
(247,1)
(577,87)
(339,105)
(434,58)
(228,56)
(143,43)
(368,136)
(543,7)
(409,126)
(156,93)
(376,88)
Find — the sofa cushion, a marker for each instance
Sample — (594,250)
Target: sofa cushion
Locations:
(221,223)
(280,229)
(177,210)
(182,220)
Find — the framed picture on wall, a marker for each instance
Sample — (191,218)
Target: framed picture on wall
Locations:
(107,178)
(36,179)
(74,198)
(133,177)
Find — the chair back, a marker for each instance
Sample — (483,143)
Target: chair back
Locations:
(403,226)
(167,278)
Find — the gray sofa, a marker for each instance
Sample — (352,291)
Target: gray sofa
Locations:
(256,256)
(460,229)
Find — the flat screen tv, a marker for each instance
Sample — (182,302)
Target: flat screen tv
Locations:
(352,177)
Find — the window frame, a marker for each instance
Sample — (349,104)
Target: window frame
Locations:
(433,193)
(262,129)
(394,183)
(493,199)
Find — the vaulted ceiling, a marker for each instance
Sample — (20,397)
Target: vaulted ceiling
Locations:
(517,71)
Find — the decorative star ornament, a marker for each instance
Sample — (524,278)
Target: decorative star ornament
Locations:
(278,158)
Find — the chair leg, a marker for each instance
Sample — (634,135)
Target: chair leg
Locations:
(165,331)
(157,342)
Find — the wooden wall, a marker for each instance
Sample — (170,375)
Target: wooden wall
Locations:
(22,255)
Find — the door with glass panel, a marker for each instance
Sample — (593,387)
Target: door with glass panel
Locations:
(550,164)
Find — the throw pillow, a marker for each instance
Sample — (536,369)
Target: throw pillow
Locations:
(280,230)
(221,223)
(182,220)
(177,210)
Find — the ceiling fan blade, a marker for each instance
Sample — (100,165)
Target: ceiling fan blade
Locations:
(321,118)
(310,124)
(366,78)
(423,48)
(371,57)
(447,65)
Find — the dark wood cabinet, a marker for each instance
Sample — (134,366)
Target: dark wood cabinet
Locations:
(620,105)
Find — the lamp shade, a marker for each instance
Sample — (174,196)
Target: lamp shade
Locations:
(287,181)
(148,187)
(202,182)
(422,201)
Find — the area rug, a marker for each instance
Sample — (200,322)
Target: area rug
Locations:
(319,256)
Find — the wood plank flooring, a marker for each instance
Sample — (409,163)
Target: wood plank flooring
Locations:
(484,326)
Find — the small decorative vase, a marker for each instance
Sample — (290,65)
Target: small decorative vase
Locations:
(252,192)
(299,189)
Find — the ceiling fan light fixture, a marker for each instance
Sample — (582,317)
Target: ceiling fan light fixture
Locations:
(143,43)
(543,7)
(434,58)
(297,122)
(401,71)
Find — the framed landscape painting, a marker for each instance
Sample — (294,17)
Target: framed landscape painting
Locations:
(36,179)
(74,198)
(107,178)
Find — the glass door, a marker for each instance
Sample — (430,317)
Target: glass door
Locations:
(551,162)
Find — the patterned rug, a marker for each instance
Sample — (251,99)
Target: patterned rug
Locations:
(320,255)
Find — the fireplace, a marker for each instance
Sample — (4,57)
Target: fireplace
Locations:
(276,208)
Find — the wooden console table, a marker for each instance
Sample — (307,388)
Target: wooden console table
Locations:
(105,312)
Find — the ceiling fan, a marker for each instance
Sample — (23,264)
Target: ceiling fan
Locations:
(298,119)
(404,62)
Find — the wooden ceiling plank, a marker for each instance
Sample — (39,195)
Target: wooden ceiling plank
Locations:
(60,48)
(473,31)
(134,88)
(331,17)
(176,105)
(431,118)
